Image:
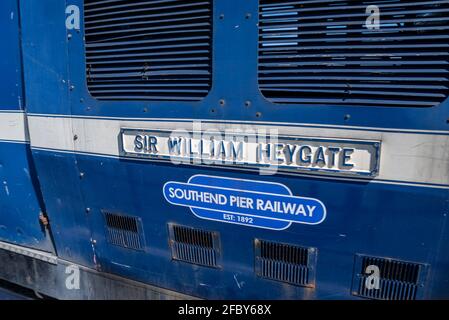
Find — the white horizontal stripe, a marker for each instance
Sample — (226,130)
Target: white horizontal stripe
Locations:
(12,126)
(405,157)
(367,128)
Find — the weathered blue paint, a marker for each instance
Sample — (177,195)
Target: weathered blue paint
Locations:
(370,225)
(20,199)
(402,222)
(11,93)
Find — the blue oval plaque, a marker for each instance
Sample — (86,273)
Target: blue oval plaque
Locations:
(253,203)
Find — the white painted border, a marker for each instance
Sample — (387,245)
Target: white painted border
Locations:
(13,127)
(409,159)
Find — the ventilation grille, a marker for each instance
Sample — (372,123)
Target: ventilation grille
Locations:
(398,280)
(194,245)
(124,231)
(321,52)
(285,263)
(148,50)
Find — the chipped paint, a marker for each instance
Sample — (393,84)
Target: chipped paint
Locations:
(5,184)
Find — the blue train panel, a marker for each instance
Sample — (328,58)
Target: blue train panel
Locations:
(11,94)
(220,149)
(20,201)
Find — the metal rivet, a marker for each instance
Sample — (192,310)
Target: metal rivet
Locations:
(221,16)
(222,102)
(75,137)
(248,16)
(247,103)
(81,175)
(87,210)
(347,117)
(145,109)
(69,36)
(258,114)
(72,87)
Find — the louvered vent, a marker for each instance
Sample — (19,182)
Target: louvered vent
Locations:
(194,245)
(286,263)
(321,52)
(398,280)
(124,231)
(148,50)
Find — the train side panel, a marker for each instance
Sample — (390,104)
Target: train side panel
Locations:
(20,201)
(108,210)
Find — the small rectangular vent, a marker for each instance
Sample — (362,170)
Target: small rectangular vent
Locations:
(194,245)
(148,50)
(124,231)
(398,280)
(286,263)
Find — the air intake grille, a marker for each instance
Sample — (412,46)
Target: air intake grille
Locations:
(124,231)
(398,280)
(285,263)
(194,245)
(148,50)
(321,52)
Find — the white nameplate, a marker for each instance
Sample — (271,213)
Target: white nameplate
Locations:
(284,153)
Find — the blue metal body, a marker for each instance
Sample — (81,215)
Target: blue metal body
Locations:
(20,200)
(387,219)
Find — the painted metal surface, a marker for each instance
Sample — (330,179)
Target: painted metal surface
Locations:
(20,199)
(11,94)
(401,214)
